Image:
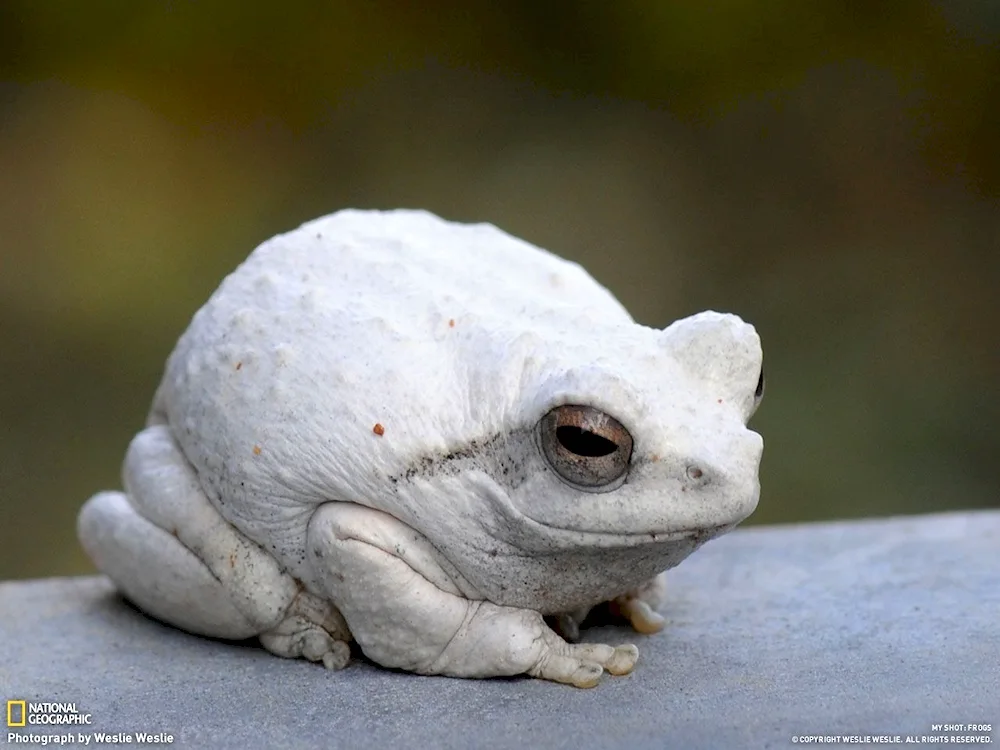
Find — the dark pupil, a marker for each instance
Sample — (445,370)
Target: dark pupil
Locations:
(584,443)
(760,384)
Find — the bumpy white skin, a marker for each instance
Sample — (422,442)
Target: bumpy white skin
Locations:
(262,499)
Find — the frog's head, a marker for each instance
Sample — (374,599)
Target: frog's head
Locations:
(647,441)
(611,458)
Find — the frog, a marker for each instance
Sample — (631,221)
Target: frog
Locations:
(431,442)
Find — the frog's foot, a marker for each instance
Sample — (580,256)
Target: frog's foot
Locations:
(581,664)
(408,609)
(171,553)
(639,606)
(313,629)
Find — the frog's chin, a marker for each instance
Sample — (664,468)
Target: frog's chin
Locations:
(553,570)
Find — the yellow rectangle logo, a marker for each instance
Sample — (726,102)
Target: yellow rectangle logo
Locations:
(10,713)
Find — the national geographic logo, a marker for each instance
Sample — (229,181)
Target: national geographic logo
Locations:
(12,708)
(22,713)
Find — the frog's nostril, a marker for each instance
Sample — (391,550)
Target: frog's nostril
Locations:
(694,472)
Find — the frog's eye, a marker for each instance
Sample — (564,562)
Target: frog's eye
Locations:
(585,446)
(758,394)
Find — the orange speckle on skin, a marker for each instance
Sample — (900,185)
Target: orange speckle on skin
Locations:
(239,365)
(655,457)
(378,429)
(451,323)
(256,450)
(720,400)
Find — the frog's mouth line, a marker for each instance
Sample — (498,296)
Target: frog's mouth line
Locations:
(610,540)
(606,539)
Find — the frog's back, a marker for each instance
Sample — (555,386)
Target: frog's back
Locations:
(413,267)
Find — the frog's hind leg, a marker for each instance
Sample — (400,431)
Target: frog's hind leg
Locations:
(171,553)
(154,571)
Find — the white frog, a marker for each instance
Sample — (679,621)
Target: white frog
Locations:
(432,439)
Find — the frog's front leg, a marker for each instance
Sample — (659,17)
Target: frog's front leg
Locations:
(406,611)
(169,551)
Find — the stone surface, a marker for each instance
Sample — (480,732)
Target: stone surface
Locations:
(878,627)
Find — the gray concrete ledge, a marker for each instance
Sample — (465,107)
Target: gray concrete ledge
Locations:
(878,627)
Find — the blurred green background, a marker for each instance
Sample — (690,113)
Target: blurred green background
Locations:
(828,170)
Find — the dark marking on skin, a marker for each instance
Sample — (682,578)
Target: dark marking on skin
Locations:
(500,456)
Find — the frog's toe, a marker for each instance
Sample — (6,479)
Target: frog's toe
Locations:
(312,629)
(639,606)
(640,615)
(582,664)
(298,638)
